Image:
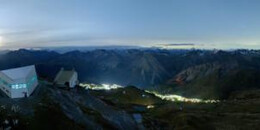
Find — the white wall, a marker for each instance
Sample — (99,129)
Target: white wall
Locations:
(73,80)
(6,89)
(32,88)
(18,93)
(3,87)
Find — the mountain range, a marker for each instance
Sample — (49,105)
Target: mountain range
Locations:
(195,73)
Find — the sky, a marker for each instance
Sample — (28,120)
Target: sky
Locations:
(225,24)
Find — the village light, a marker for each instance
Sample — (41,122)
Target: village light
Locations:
(172,97)
(168,97)
(150,106)
(106,86)
(100,87)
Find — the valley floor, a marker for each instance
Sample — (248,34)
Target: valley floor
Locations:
(126,108)
(240,111)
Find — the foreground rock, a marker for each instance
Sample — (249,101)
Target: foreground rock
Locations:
(53,108)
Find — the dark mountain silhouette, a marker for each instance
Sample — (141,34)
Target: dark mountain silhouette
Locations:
(231,76)
(214,72)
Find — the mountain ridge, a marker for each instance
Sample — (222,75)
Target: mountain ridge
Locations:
(145,68)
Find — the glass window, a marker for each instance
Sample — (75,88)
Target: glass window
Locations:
(18,86)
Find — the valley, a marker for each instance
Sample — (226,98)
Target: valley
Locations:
(126,107)
(181,72)
(138,89)
(168,97)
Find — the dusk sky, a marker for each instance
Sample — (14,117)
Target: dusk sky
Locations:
(206,23)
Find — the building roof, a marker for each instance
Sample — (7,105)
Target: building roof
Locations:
(18,73)
(64,76)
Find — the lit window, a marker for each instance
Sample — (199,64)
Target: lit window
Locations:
(18,86)
(23,85)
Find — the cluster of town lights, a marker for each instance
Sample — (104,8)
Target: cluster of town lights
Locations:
(169,97)
(100,87)
(172,97)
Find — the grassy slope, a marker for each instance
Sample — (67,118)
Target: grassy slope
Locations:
(128,95)
(242,113)
(231,114)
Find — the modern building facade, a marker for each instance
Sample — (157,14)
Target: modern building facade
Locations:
(66,78)
(18,82)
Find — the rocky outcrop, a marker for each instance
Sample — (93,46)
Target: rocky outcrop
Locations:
(73,101)
(78,106)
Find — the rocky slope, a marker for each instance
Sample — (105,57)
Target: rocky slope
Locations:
(66,109)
